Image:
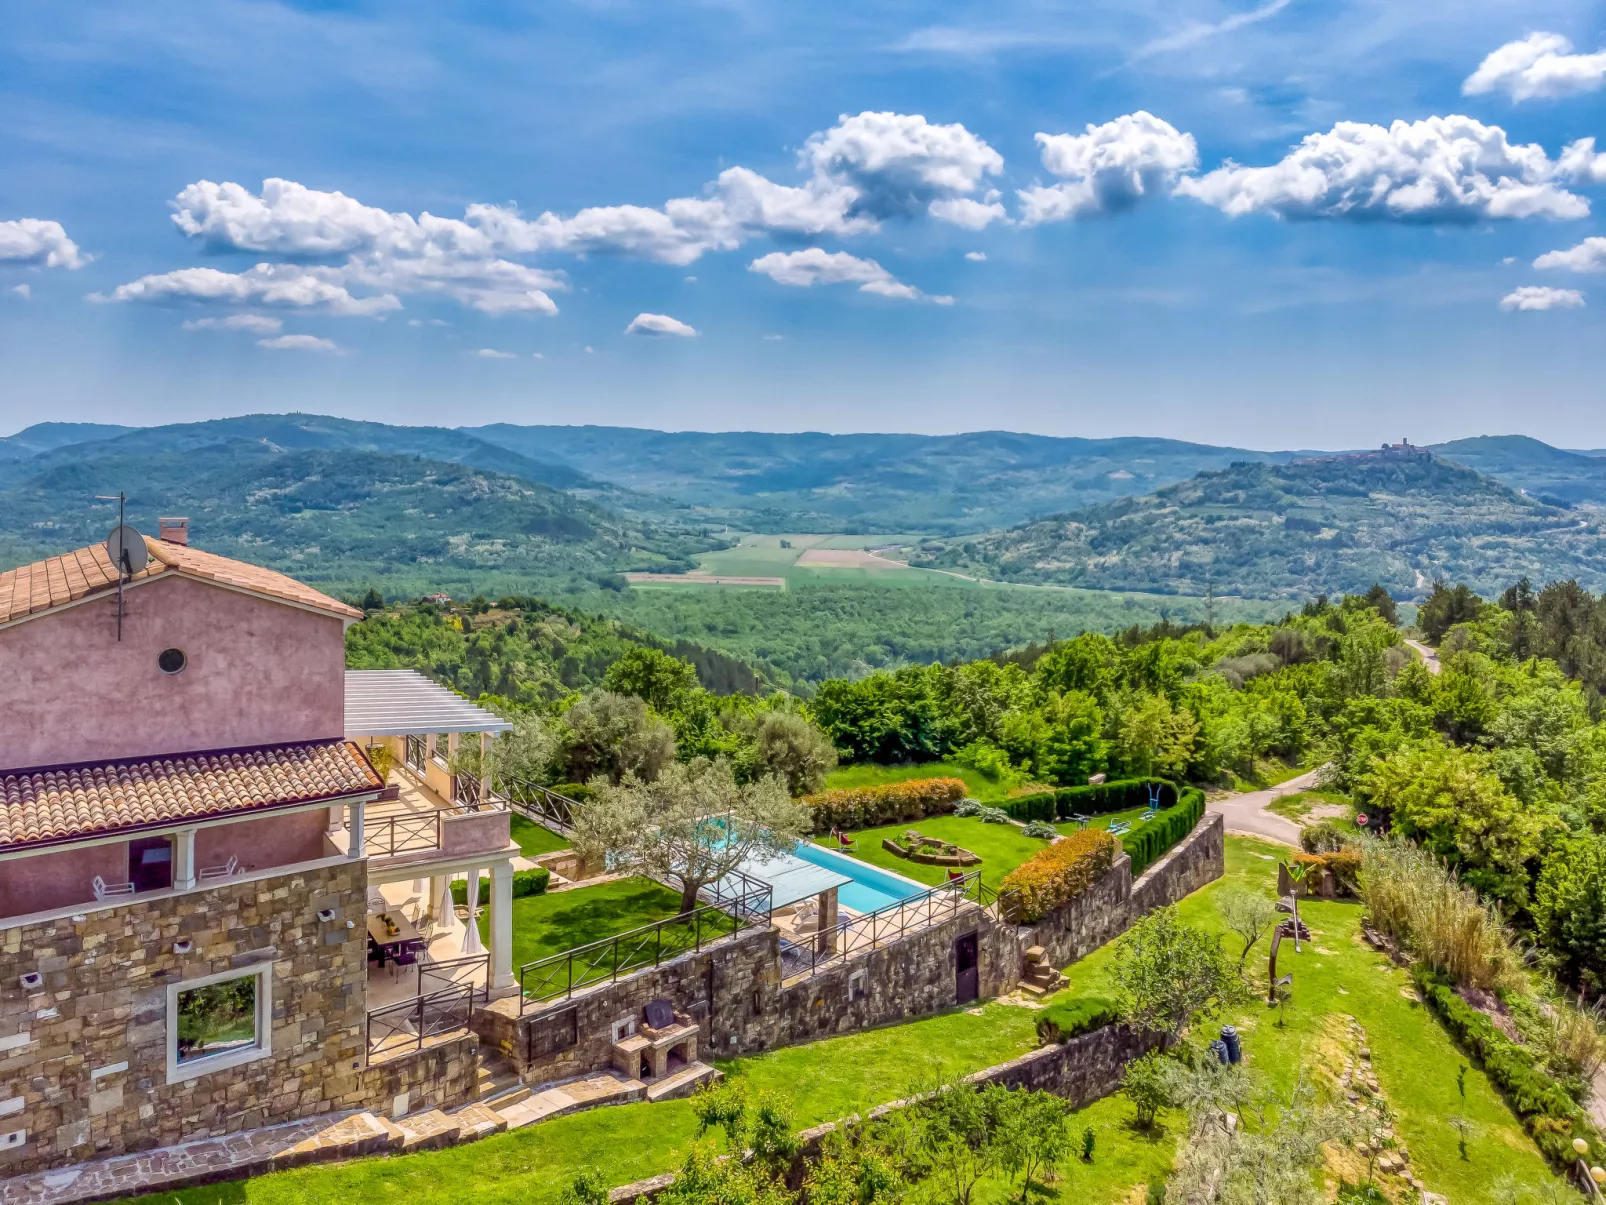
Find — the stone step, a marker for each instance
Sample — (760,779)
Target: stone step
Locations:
(478,1121)
(609,1088)
(429,1131)
(1032,989)
(504,1097)
(684,1082)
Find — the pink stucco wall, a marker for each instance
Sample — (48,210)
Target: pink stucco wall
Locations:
(265,843)
(258,673)
(474,832)
(57,880)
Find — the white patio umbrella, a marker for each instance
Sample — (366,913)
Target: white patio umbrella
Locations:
(471,937)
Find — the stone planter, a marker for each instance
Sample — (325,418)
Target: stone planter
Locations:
(930,851)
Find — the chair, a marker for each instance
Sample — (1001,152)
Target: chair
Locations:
(845,842)
(956,876)
(211,874)
(103,889)
(806,914)
(405,956)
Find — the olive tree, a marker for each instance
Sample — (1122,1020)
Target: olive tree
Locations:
(615,735)
(787,745)
(1170,975)
(692,825)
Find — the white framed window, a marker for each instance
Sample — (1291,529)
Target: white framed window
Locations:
(218,1021)
(859,984)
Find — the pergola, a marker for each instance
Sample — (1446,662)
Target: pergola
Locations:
(409,713)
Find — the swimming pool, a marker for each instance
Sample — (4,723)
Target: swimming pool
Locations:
(871,888)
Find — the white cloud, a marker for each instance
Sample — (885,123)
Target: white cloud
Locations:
(658,324)
(22,291)
(1108,169)
(1200,31)
(1541,297)
(774,338)
(1580,163)
(1541,65)
(805,269)
(256,324)
(535,355)
(289,285)
(976,257)
(346,257)
(1587,256)
(34,241)
(490,353)
(1440,169)
(301,343)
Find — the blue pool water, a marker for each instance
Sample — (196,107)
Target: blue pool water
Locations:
(872,887)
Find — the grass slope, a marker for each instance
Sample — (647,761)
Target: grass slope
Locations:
(1292,531)
(549,924)
(1000,847)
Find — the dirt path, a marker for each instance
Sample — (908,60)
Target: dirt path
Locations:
(1247,814)
(1430,657)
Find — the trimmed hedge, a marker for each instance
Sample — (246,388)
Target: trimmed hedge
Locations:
(525,882)
(1072,1018)
(1060,873)
(1550,1115)
(1150,840)
(892,802)
(1117,796)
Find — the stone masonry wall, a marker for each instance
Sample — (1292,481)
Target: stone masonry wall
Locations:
(1114,902)
(86,1054)
(441,1076)
(735,992)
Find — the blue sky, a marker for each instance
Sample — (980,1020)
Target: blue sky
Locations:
(812,217)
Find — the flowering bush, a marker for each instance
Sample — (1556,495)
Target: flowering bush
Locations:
(1061,872)
(865,807)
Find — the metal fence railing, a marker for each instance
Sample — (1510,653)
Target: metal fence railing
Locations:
(389,833)
(859,934)
(408,1024)
(417,755)
(560,976)
(543,806)
(474,971)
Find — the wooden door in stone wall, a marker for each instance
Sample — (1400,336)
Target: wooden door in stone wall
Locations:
(967,971)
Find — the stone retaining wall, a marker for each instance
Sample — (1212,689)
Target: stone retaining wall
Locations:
(440,1076)
(735,992)
(83,1058)
(1109,907)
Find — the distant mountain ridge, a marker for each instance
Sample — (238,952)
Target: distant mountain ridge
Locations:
(1290,531)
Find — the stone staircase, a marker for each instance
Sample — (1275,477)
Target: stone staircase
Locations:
(1039,978)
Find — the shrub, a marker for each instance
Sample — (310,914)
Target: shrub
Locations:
(1416,901)
(1325,837)
(1072,1018)
(577,791)
(1115,796)
(969,807)
(1344,864)
(1041,829)
(1061,872)
(866,807)
(525,882)
(993,816)
(1150,840)
(1550,1115)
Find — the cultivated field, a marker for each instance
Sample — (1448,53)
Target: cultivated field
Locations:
(806,559)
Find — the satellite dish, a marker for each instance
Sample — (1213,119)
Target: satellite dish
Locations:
(125,548)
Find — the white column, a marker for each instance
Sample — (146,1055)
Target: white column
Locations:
(471,937)
(440,903)
(485,767)
(501,925)
(354,829)
(184,859)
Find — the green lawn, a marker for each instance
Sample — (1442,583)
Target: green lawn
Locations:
(870,775)
(535,839)
(559,921)
(1001,847)
(1415,1061)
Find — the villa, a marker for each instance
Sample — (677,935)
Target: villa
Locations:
(200,868)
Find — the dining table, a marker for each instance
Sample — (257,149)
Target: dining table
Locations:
(388,943)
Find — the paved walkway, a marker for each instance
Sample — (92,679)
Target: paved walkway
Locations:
(1430,657)
(1246,813)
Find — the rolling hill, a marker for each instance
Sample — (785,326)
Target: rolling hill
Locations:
(869,483)
(1549,474)
(342,519)
(1290,531)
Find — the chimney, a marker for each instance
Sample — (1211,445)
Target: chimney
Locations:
(174,530)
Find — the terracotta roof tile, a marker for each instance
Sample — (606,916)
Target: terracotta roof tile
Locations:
(48,805)
(59,580)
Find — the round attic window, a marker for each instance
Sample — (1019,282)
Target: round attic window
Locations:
(171,661)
